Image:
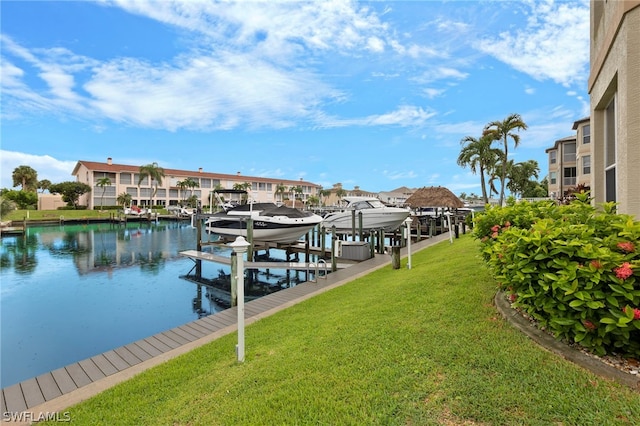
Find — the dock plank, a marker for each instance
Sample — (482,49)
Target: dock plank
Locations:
(116,360)
(138,351)
(104,365)
(32,393)
(48,386)
(14,398)
(64,380)
(80,378)
(148,347)
(126,355)
(179,336)
(162,337)
(91,369)
(158,344)
(194,331)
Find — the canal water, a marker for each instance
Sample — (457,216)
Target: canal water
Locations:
(71,292)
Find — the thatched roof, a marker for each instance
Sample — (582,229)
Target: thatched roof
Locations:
(434,196)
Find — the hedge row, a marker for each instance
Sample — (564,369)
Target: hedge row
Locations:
(575,269)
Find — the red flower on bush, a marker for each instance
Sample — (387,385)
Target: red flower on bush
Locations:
(589,325)
(624,271)
(507,224)
(636,312)
(512,298)
(494,235)
(596,264)
(626,246)
(495,228)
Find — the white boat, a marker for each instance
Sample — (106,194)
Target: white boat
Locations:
(270,222)
(375,215)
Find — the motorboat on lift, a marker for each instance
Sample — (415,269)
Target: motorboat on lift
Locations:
(375,215)
(271,223)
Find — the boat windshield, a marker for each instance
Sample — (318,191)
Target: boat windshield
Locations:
(369,204)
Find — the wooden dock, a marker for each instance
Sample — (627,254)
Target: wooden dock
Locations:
(59,389)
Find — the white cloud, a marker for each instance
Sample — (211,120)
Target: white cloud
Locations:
(554,44)
(47,167)
(404,116)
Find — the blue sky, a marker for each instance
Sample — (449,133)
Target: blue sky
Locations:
(370,94)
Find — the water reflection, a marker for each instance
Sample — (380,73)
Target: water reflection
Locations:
(71,292)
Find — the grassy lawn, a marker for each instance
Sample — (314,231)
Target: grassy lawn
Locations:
(410,347)
(55,214)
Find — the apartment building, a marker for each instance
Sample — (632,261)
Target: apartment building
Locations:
(563,173)
(125,178)
(614,90)
(583,151)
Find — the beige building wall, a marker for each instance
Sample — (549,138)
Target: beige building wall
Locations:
(50,201)
(614,88)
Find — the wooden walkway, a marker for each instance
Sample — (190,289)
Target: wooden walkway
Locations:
(59,389)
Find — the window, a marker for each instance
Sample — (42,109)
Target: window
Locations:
(586,134)
(610,151)
(553,157)
(569,176)
(586,165)
(553,178)
(569,152)
(125,178)
(205,183)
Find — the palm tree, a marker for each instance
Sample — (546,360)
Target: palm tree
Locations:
(155,173)
(44,184)
(479,156)
(325,193)
(297,193)
(26,177)
(103,183)
(191,183)
(246,186)
(341,192)
(281,189)
(502,131)
(182,185)
(520,176)
(123,199)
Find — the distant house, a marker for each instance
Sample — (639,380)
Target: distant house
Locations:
(124,179)
(614,89)
(396,197)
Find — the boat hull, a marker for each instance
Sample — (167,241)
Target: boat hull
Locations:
(272,230)
(388,220)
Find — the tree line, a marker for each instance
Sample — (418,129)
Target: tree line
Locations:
(492,163)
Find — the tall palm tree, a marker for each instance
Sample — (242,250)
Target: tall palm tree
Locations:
(325,193)
(503,131)
(480,157)
(191,184)
(521,176)
(155,173)
(26,177)
(182,185)
(103,182)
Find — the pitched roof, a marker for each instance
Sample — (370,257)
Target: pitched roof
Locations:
(434,196)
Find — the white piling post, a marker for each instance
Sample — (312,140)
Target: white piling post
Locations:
(240,246)
(408,222)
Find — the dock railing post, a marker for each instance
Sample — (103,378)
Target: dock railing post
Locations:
(240,246)
(408,222)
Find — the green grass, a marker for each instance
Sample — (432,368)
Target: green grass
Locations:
(19,215)
(411,347)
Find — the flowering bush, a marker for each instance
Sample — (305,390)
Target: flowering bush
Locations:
(573,268)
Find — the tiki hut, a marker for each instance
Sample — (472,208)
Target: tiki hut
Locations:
(434,196)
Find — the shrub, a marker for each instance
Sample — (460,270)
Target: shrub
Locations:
(573,268)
